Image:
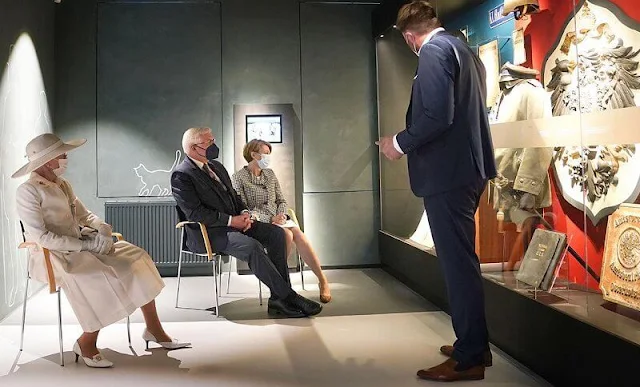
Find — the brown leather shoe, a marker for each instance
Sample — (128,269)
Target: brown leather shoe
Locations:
(446,372)
(447,350)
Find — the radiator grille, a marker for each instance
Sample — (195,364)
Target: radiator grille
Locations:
(152,226)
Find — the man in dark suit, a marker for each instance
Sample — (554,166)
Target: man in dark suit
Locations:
(202,188)
(450,156)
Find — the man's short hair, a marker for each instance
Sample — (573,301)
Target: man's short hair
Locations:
(252,146)
(418,16)
(192,136)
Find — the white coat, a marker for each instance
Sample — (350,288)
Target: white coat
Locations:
(102,289)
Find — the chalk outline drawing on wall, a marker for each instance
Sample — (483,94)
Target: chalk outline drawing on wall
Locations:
(159,180)
(13,138)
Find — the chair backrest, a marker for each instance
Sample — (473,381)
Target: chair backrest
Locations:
(182,218)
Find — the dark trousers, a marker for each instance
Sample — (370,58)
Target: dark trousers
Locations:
(271,267)
(451,217)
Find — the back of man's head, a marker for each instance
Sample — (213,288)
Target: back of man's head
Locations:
(418,17)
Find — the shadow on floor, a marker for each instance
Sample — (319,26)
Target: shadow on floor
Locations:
(372,292)
(157,361)
(355,292)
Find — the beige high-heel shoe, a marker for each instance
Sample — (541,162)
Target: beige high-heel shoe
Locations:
(325,293)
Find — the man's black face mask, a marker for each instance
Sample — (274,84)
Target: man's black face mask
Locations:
(212,152)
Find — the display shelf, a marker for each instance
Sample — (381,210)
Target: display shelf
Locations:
(585,305)
(581,342)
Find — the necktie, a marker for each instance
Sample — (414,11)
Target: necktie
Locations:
(213,175)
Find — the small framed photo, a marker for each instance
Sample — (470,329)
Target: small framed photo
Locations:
(265,127)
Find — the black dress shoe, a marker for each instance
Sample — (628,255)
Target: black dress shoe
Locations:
(308,307)
(283,309)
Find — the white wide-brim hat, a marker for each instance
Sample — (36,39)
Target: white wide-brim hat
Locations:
(43,149)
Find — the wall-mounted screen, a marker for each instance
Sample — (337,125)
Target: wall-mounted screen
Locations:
(265,127)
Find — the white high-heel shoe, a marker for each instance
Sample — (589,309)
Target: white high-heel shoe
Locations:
(174,344)
(98,361)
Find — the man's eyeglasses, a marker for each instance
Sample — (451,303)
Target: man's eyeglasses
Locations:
(207,143)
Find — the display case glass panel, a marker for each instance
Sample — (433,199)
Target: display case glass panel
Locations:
(560,223)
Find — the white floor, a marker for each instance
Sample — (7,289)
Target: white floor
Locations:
(375,333)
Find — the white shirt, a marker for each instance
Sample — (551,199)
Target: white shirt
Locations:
(200,165)
(430,36)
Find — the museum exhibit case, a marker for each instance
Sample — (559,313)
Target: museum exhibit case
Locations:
(558,229)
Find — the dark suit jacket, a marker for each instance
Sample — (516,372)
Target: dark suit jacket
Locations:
(204,200)
(447,140)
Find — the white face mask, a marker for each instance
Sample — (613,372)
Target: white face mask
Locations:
(62,167)
(264,161)
(415,49)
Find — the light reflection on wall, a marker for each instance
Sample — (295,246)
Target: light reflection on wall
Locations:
(24,113)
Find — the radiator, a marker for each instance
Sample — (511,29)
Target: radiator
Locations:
(152,226)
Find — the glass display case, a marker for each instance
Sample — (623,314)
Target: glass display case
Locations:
(560,223)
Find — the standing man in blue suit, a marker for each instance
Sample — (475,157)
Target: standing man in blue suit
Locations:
(450,155)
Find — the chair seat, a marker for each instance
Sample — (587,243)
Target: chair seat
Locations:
(215,255)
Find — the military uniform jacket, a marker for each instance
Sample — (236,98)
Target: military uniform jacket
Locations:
(522,169)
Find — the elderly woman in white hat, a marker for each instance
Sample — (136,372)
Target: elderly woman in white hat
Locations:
(103,281)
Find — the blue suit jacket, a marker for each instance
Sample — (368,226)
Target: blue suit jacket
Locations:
(447,140)
(202,199)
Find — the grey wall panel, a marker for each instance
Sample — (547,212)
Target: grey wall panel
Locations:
(342,227)
(75,110)
(158,74)
(26,94)
(339,114)
(261,58)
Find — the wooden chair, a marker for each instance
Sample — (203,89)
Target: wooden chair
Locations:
(214,258)
(53,288)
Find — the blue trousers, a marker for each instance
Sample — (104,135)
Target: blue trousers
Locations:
(451,217)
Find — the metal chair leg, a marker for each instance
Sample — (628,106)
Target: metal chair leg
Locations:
(301,263)
(260,291)
(220,272)
(179,269)
(60,327)
(24,312)
(229,275)
(129,330)
(215,281)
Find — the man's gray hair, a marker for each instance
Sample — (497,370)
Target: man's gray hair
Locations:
(192,136)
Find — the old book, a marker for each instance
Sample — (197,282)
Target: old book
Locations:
(541,258)
(550,275)
(620,278)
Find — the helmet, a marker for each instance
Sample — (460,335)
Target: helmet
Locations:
(529,6)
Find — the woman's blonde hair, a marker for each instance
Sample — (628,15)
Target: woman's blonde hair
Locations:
(254,146)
